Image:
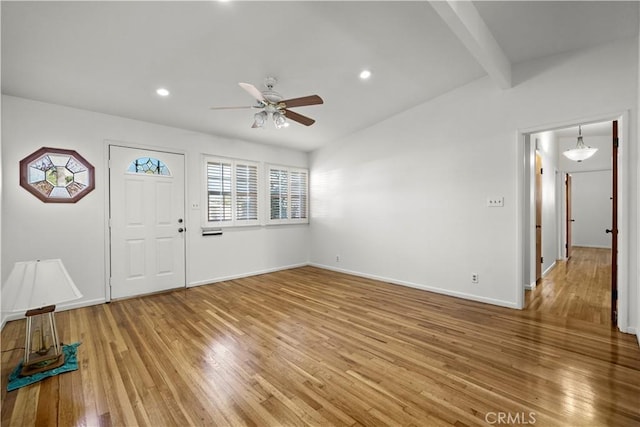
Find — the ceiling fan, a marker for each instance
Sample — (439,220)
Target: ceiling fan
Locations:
(272,105)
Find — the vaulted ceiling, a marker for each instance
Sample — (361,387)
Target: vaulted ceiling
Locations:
(110,57)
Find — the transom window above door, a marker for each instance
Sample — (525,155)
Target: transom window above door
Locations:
(149,166)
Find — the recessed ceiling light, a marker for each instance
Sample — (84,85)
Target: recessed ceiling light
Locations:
(162,92)
(365,74)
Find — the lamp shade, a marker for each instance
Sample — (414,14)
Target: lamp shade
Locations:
(36,284)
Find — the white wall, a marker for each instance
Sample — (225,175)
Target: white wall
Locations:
(405,200)
(591,208)
(1,183)
(76,232)
(635,208)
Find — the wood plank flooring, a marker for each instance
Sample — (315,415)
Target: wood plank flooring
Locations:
(579,288)
(313,347)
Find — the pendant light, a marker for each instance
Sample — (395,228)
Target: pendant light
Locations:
(581,152)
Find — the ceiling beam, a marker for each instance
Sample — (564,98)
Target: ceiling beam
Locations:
(463,19)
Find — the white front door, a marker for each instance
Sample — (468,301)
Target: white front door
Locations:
(147,221)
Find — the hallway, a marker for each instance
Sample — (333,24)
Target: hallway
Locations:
(578,289)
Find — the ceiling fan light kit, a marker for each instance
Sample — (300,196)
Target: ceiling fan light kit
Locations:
(272,105)
(581,152)
(279,120)
(259,119)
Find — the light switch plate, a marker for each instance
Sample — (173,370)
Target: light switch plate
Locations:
(495,202)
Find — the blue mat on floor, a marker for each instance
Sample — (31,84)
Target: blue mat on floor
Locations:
(70,364)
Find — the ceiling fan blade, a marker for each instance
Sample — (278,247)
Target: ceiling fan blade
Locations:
(253,91)
(235,108)
(301,102)
(307,121)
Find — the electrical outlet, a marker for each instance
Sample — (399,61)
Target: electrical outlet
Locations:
(195,205)
(474,278)
(495,202)
(337,258)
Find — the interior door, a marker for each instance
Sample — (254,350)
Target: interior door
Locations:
(146,217)
(569,219)
(614,227)
(538,260)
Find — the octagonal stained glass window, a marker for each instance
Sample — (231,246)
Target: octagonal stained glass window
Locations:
(56,175)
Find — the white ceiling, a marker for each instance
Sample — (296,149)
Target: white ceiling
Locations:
(589,129)
(111,56)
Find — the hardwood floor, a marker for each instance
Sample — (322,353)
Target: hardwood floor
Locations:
(579,288)
(313,347)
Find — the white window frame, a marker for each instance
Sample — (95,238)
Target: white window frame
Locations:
(288,219)
(233,221)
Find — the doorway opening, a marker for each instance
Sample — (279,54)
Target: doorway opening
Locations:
(569,241)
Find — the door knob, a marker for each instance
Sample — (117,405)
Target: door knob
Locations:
(573,220)
(608,231)
(180,230)
(180,220)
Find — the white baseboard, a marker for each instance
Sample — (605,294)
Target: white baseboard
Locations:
(548,270)
(16,316)
(532,286)
(242,275)
(86,303)
(423,287)
(60,307)
(632,331)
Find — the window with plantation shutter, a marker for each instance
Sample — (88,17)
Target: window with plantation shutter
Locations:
(298,194)
(218,192)
(288,195)
(232,192)
(279,193)
(246,192)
